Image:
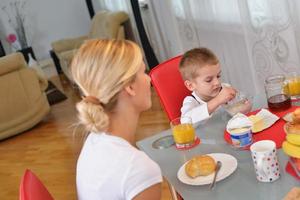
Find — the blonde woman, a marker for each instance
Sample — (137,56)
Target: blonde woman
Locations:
(111,75)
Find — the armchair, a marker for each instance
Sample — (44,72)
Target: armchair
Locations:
(23,102)
(105,24)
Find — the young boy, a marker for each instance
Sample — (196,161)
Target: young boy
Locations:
(201,72)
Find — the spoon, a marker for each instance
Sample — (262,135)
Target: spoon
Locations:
(213,183)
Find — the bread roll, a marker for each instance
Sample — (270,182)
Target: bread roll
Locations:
(296,116)
(201,165)
(293,128)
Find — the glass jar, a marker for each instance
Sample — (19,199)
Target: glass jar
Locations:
(277,92)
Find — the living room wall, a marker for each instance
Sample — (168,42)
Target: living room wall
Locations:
(47,21)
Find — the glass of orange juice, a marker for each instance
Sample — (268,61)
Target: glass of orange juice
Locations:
(293,79)
(183,132)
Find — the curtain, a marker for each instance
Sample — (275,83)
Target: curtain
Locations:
(252,38)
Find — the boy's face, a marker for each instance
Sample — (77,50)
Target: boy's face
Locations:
(207,84)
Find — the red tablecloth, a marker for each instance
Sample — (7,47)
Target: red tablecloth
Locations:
(275,132)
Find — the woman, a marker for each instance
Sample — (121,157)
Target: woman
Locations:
(111,75)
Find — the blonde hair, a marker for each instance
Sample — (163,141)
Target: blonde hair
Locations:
(194,59)
(101,69)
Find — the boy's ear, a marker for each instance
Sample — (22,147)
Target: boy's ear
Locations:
(189,85)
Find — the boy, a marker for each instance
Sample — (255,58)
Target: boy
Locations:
(201,72)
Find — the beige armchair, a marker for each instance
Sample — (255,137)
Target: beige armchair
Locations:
(23,102)
(105,24)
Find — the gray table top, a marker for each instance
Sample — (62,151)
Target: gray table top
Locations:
(242,184)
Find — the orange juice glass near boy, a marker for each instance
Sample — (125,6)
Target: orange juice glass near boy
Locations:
(183,132)
(201,72)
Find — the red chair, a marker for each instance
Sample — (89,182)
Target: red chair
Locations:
(32,188)
(169,85)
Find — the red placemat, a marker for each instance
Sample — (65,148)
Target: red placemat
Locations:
(289,169)
(275,132)
(197,141)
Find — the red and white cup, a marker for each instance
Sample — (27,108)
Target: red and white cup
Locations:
(265,160)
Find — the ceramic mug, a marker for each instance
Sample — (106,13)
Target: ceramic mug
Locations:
(265,160)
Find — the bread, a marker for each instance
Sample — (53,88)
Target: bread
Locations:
(201,165)
(294,126)
(258,123)
(296,116)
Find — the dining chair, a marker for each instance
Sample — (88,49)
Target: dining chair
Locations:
(169,86)
(31,188)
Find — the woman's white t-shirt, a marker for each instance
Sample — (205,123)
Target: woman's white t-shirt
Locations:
(109,167)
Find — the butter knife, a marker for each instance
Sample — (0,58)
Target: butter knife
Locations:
(213,183)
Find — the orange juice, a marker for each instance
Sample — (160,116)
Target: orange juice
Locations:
(184,133)
(294,86)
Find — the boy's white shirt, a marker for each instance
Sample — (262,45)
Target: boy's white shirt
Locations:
(196,109)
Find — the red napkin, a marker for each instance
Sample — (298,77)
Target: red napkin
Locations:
(275,132)
(289,169)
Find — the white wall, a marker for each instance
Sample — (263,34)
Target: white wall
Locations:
(47,21)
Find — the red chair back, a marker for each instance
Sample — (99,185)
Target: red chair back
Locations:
(169,85)
(32,188)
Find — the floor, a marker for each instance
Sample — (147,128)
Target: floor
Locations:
(51,148)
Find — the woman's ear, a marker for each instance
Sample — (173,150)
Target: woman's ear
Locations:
(130,90)
(189,85)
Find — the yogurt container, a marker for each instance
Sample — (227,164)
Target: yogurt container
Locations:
(241,137)
(240,129)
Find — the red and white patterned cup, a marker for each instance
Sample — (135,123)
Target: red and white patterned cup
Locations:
(265,160)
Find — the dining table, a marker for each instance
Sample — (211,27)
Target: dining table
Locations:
(241,184)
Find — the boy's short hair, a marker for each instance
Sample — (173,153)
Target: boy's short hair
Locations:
(195,59)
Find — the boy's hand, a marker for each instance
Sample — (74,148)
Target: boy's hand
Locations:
(225,95)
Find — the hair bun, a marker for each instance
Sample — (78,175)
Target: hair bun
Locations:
(92,116)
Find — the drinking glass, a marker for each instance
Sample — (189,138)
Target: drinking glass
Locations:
(183,132)
(238,104)
(293,80)
(277,92)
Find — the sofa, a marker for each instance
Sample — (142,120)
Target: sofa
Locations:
(105,25)
(23,102)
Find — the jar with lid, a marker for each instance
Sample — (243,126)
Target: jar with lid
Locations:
(277,93)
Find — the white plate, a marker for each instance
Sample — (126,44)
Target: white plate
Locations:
(229,165)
